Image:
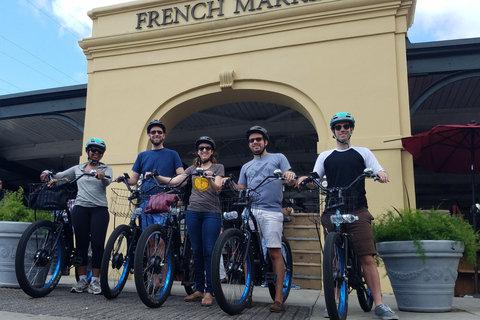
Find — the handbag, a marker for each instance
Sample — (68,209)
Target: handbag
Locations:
(53,195)
(160,202)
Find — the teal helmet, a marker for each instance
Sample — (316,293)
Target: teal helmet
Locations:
(95,142)
(342,117)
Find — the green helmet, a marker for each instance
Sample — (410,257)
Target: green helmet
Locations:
(95,142)
(342,117)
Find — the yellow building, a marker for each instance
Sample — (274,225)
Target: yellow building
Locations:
(172,60)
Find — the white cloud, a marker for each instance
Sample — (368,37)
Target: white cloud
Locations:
(73,14)
(447,19)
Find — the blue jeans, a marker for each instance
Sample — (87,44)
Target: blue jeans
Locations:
(204,229)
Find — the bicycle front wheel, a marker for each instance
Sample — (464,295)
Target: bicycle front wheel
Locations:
(116,261)
(40,259)
(154,267)
(335,283)
(287,278)
(230,249)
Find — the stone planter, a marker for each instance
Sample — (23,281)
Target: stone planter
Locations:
(10,233)
(422,285)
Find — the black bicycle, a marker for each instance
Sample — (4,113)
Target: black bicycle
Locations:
(342,271)
(119,255)
(240,252)
(164,254)
(46,249)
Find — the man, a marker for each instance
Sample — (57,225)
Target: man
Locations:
(341,166)
(267,207)
(167,163)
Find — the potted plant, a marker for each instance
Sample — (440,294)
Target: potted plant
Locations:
(421,251)
(15,217)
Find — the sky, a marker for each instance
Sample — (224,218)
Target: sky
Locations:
(39,38)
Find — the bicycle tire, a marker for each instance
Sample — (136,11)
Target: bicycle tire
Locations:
(188,280)
(232,296)
(38,263)
(364,295)
(287,280)
(334,280)
(148,266)
(117,261)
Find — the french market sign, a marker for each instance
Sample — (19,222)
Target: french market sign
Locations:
(208,10)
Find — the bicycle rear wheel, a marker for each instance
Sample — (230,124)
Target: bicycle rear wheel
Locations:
(334,277)
(188,279)
(40,259)
(288,263)
(364,295)
(116,261)
(230,248)
(154,267)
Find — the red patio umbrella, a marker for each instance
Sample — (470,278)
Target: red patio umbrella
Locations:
(449,149)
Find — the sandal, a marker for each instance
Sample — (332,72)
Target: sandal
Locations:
(224,280)
(207,300)
(196,296)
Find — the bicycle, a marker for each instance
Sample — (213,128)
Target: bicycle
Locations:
(164,255)
(119,255)
(46,249)
(240,251)
(342,271)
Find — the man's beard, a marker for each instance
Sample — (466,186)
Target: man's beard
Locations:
(156,142)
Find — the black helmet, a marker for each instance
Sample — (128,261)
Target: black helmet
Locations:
(156,123)
(257,129)
(205,139)
(342,116)
(95,142)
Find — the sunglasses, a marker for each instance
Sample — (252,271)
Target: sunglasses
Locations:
(152,132)
(258,139)
(208,148)
(96,151)
(345,126)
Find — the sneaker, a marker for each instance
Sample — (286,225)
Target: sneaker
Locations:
(293,286)
(277,307)
(80,287)
(264,284)
(385,313)
(94,287)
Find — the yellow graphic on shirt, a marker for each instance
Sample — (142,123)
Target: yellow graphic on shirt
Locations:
(201,184)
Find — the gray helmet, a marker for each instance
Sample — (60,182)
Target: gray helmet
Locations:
(257,129)
(95,142)
(342,117)
(205,139)
(155,123)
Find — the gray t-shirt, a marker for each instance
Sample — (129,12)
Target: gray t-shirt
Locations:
(203,198)
(91,191)
(269,196)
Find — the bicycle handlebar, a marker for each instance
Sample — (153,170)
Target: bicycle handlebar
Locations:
(92,173)
(367,173)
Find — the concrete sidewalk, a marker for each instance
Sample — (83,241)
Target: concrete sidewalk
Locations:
(301,304)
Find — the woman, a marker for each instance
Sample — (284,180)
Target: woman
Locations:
(203,215)
(90,215)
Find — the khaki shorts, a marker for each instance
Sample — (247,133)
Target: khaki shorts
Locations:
(360,231)
(271,226)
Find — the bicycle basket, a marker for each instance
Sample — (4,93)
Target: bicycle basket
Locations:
(53,195)
(120,206)
(346,204)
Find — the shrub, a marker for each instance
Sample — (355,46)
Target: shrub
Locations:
(12,208)
(416,225)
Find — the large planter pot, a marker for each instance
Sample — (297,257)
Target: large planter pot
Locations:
(10,233)
(422,285)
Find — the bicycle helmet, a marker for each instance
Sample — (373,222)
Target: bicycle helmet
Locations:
(340,117)
(205,139)
(95,142)
(257,129)
(157,123)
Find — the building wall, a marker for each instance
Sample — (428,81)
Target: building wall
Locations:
(317,57)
